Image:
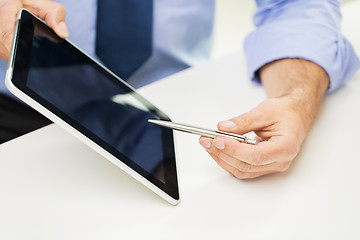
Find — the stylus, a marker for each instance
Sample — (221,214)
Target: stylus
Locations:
(201,131)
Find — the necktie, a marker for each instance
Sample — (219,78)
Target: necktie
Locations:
(124,34)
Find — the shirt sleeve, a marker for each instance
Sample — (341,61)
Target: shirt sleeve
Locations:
(301,29)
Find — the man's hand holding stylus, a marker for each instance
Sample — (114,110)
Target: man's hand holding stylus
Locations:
(295,89)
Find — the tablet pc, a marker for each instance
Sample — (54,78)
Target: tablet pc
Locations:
(67,86)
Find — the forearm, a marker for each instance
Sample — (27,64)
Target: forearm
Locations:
(304,83)
(301,29)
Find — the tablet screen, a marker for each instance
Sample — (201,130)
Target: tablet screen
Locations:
(90,99)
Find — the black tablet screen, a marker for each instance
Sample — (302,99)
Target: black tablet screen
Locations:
(75,88)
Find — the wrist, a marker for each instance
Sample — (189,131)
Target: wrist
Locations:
(293,76)
(301,82)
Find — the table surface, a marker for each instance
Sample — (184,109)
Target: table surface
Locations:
(52,186)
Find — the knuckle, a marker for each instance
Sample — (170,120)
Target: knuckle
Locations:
(244,121)
(10,6)
(5,35)
(284,167)
(219,154)
(244,167)
(292,149)
(259,158)
(239,174)
(232,151)
(59,8)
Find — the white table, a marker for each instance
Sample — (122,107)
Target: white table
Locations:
(54,187)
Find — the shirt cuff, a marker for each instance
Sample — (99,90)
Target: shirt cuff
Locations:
(305,39)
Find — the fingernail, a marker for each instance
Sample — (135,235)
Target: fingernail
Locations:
(227,124)
(219,144)
(62,29)
(205,143)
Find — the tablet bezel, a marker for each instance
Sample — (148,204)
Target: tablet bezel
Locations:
(172,195)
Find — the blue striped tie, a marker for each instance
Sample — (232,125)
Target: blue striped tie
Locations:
(124,34)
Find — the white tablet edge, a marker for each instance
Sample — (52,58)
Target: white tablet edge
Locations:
(18,93)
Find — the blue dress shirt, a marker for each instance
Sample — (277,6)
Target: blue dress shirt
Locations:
(301,29)
(182,33)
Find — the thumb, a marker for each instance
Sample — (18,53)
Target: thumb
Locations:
(53,13)
(253,120)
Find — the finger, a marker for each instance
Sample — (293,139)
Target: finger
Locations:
(245,167)
(240,155)
(236,172)
(244,123)
(263,153)
(8,14)
(225,166)
(53,13)
(247,122)
(205,142)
